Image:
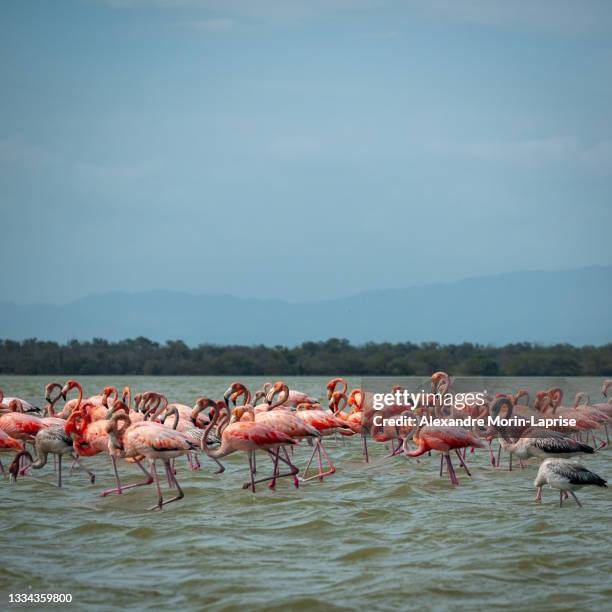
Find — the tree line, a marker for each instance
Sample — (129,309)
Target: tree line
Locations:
(333,356)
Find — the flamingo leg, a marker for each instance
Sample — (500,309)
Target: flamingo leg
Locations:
(332,468)
(319,461)
(120,488)
(160,499)
(59,471)
(365,446)
(314,450)
(92,476)
(296,482)
(491,455)
(175,484)
(72,466)
(560,499)
(499,450)
(2,470)
(510,463)
(397,451)
(441,464)
(319,448)
(277,457)
(538,497)
(170,475)
(252,469)
(272,483)
(116,472)
(575,498)
(463,463)
(451,470)
(221,466)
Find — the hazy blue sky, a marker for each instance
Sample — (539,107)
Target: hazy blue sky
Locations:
(299,149)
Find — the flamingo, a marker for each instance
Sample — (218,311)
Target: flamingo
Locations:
(566,476)
(54,440)
(325,423)
(294,397)
(352,419)
(277,416)
(153,441)
(100,402)
(51,401)
(19,425)
(443,440)
(8,445)
(246,436)
(189,427)
(91,438)
(26,406)
(332,384)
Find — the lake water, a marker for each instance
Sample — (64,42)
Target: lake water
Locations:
(390,535)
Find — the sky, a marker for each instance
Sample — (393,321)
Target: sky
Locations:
(299,149)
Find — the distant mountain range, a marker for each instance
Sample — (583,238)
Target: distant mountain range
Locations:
(545,307)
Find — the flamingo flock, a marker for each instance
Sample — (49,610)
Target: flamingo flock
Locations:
(148,431)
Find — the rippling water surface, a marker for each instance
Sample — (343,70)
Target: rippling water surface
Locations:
(388,535)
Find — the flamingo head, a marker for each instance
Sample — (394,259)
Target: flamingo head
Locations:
(106,394)
(438,378)
(49,389)
(331,386)
(334,402)
(234,391)
(242,414)
(356,399)
(68,386)
(278,387)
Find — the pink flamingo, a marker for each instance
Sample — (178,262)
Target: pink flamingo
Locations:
(26,406)
(91,438)
(277,416)
(100,402)
(294,397)
(326,424)
(18,425)
(246,436)
(8,445)
(153,441)
(443,440)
